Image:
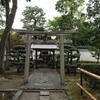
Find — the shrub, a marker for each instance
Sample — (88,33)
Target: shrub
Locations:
(93,68)
(18,54)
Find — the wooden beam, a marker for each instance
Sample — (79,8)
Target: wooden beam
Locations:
(89,94)
(36,58)
(89,73)
(53,58)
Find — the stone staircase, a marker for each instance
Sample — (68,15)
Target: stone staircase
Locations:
(44,95)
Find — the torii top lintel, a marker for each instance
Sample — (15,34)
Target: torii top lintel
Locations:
(52,33)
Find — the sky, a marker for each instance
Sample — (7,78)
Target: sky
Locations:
(48,7)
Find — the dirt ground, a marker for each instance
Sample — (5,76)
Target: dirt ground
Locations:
(15,82)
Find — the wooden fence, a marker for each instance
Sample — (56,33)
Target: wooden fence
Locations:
(81,82)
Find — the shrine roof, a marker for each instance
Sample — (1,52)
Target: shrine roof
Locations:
(44,46)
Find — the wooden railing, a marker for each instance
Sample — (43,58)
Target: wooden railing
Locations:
(81,82)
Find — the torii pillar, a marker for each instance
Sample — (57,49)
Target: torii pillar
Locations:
(27,60)
(62,69)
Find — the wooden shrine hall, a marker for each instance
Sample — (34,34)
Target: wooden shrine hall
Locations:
(44,46)
(44,55)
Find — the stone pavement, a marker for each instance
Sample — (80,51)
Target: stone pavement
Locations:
(43,84)
(44,78)
(53,95)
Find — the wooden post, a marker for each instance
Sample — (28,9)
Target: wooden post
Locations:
(53,58)
(36,59)
(81,82)
(62,70)
(88,93)
(27,60)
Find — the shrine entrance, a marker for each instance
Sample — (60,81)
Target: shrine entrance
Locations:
(44,55)
(45,41)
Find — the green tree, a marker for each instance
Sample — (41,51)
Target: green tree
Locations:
(93,12)
(71,53)
(95,52)
(71,17)
(52,25)
(60,23)
(72,12)
(34,18)
(83,34)
(10,15)
(68,6)
(16,39)
(18,54)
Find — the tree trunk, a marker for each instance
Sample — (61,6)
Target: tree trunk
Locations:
(9,22)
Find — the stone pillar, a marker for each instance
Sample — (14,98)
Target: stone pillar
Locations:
(62,69)
(27,60)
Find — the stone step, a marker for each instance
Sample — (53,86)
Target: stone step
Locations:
(44,93)
(44,98)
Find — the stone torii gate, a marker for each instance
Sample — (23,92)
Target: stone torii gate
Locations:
(43,33)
